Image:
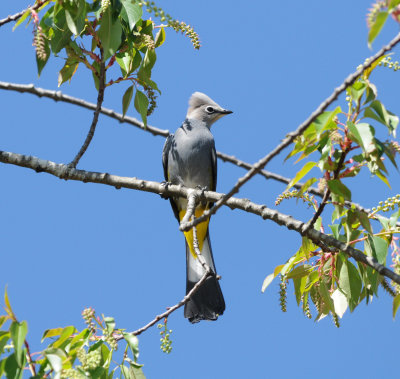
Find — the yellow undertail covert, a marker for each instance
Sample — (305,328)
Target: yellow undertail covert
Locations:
(201,230)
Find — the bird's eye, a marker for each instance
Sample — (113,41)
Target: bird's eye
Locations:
(210,110)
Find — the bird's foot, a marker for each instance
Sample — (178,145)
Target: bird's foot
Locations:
(202,189)
(165,184)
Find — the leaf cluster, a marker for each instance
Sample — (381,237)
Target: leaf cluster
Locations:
(343,143)
(89,353)
(91,33)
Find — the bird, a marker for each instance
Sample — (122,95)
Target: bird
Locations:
(189,159)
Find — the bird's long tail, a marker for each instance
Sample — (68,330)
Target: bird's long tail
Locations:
(207,303)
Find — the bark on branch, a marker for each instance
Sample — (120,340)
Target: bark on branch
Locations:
(63,171)
(16,16)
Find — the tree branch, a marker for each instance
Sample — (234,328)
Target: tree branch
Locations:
(291,136)
(172,309)
(59,96)
(16,16)
(100,98)
(63,171)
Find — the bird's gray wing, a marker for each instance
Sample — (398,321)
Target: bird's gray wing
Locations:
(213,169)
(165,154)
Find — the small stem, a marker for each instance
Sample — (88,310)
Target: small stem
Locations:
(100,98)
(29,359)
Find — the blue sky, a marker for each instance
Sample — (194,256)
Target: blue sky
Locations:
(68,245)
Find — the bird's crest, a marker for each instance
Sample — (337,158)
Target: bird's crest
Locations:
(198,99)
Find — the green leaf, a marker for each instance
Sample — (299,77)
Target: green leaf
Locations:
(148,62)
(65,334)
(125,372)
(377,26)
(299,272)
(61,33)
(126,99)
(396,303)
(363,134)
(383,178)
(136,372)
(304,171)
(394,217)
(141,105)
(323,290)
(51,333)
(4,337)
(68,71)
(340,302)
(81,338)
(125,62)
(363,218)
(21,19)
(12,368)
(350,283)
(393,4)
(133,343)
(267,281)
(337,187)
(110,324)
(357,90)
(98,373)
(160,37)
(110,34)
(378,112)
(311,280)
(71,23)
(376,247)
(18,332)
(3,319)
(131,13)
(55,357)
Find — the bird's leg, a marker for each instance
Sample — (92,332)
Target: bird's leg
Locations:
(201,197)
(165,184)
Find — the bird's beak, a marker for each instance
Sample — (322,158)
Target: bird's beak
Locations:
(225,111)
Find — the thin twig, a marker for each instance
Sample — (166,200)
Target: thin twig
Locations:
(291,136)
(63,171)
(16,16)
(100,98)
(196,249)
(172,309)
(29,359)
(327,193)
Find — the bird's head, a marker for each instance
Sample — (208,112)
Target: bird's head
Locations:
(202,108)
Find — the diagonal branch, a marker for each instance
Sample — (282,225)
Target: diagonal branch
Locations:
(172,309)
(100,98)
(63,171)
(16,16)
(291,136)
